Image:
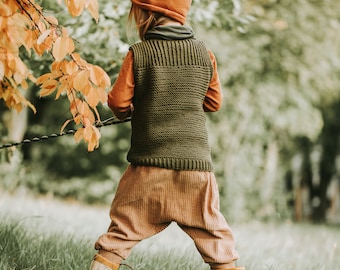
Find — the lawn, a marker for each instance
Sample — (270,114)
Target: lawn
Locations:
(45,233)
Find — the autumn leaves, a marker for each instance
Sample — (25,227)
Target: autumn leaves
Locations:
(13,72)
(23,23)
(85,85)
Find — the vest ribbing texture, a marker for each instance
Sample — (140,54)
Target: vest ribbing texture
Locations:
(168,121)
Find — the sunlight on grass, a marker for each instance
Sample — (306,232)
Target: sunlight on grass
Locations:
(289,246)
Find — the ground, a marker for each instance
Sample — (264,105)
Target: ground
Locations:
(262,246)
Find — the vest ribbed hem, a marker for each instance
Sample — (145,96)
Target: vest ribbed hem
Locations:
(175,164)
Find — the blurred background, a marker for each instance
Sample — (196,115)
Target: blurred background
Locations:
(275,142)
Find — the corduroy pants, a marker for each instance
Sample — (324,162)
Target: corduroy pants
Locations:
(148,199)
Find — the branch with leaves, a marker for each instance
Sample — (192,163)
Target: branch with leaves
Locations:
(23,23)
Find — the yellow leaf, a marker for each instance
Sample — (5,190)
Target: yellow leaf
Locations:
(51,20)
(77,119)
(48,87)
(69,67)
(79,135)
(69,45)
(99,77)
(92,7)
(24,84)
(87,133)
(93,143)
(43,36)
(92,97)
(75,7)
(84,109)
(59,50)
(81,62)
(43,78)
(21,70)
(61,89)
(102,95)
(74,106)
(81,82)
(91,136)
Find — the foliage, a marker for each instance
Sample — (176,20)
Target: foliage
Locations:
(279,70)
(25,24)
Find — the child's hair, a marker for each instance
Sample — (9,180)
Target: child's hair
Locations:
(144,20)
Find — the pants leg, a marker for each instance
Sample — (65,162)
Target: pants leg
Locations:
(210,232)
(130,217)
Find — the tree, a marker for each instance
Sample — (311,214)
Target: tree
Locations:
(24,24)
(280,73)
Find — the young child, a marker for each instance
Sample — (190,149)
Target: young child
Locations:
(167,82)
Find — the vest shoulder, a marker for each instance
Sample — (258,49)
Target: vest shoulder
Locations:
(171,52)
(187,42)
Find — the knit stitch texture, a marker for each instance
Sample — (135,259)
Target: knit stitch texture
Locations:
(168,122)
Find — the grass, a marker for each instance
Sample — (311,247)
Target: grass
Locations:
(28,249)
(53,235)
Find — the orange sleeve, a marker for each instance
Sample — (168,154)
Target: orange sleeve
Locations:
(214,96)
(120,97)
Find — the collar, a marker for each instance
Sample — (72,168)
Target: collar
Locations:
(170,32)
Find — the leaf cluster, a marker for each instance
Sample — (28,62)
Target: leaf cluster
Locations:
(25,24)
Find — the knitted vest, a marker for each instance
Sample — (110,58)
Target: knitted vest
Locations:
(168,121)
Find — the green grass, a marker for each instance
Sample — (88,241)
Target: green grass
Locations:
(54,235)
(290,247)
(28,249)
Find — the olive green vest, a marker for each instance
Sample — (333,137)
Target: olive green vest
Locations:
(168,121)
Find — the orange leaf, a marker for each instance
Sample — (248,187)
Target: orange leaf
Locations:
(59,49)
(24,84)
(20,69)
(77,119)
(75,7)
(91,136)
(92,97)
(43,36)
(73,106)
(69,67)
(43,78)
(79,135)
(61,89)
(48,87)
(79,60)
(94,141)
(51,20)
(69,45)
(81,82)
(99,77)
(92,7)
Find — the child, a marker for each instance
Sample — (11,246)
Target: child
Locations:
(167,82)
